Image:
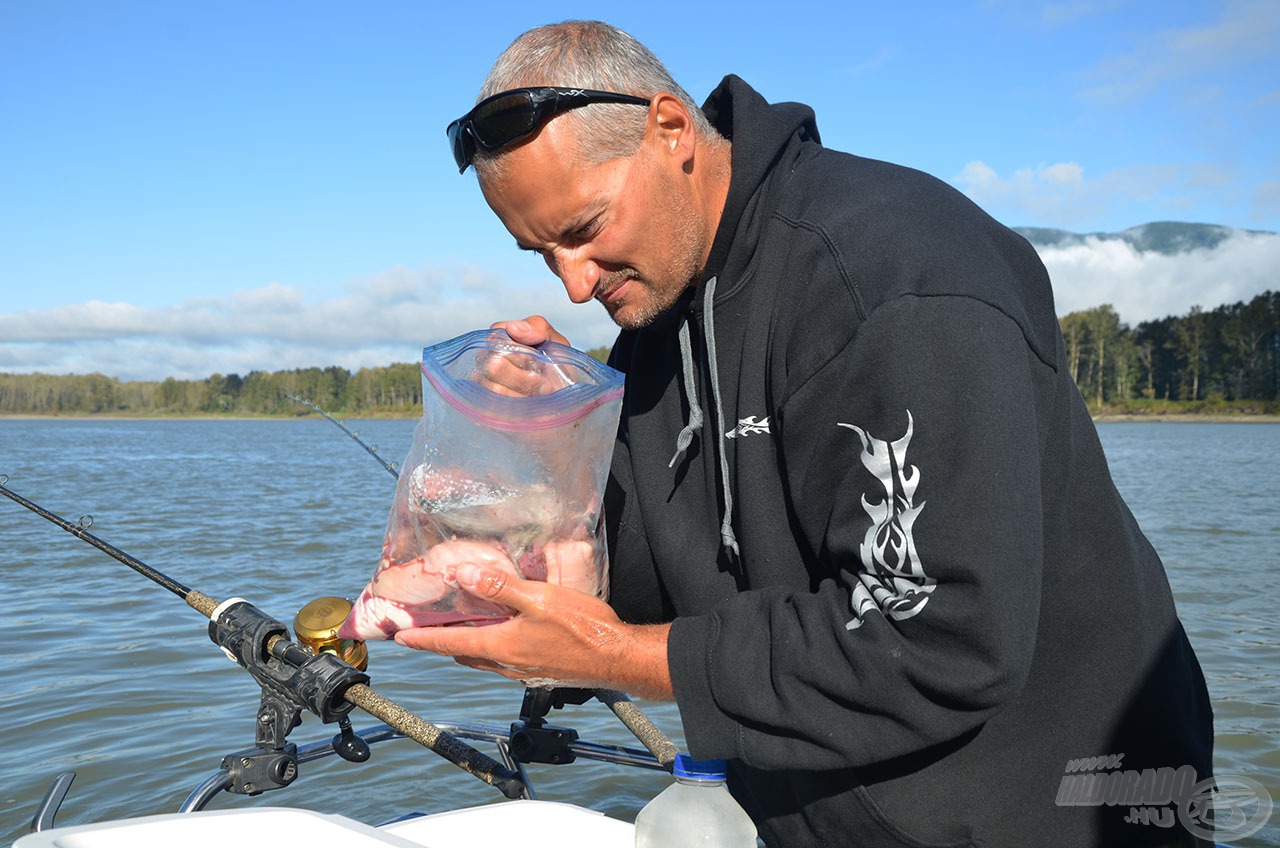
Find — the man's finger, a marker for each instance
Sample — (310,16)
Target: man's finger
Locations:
(493,584)
(436,639)
(520,331)
(514,374)
(531,331)
(450,641)
(499,586)
(482,664)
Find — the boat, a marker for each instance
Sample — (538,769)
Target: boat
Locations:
(313,670)
(526,820)
(272,764)
(534,823)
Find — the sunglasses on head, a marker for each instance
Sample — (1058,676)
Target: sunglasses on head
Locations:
(509,116)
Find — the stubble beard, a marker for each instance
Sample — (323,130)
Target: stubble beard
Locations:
(651,297)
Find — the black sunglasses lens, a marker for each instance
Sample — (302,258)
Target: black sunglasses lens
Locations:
(504,120)
(462,144)
(511,115)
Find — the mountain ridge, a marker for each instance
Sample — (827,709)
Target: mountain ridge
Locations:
(1165,237)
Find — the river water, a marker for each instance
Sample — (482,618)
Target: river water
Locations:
(114,678)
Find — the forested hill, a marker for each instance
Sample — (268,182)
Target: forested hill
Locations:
(1167,237)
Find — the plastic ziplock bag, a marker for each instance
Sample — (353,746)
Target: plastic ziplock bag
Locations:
(512,478)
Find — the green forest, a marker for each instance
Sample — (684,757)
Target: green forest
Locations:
(1226,360)
(1223,361)
(386,391)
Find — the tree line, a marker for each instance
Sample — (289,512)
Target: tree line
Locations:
(1225,358)
(385,390)
(1230,355)
(391,390)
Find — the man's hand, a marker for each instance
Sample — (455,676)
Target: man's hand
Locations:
(532,331)
(519,375)
(556,634)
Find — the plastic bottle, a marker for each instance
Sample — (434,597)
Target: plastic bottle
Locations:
(696,810)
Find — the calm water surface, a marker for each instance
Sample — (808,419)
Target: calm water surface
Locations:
(115,678)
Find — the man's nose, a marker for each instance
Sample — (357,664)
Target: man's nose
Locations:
(579,274)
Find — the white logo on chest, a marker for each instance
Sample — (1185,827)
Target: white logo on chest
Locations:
(749,426)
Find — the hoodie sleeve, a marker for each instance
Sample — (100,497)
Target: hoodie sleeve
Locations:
(635,592)
(913,463)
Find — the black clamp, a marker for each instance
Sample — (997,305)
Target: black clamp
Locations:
(314,682)
(292,679)
(256,770)
(532,740)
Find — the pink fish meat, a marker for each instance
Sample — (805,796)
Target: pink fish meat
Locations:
(423,591)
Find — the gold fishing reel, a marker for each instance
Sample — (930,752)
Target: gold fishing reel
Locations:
(316,626)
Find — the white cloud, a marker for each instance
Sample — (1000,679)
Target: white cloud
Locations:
(1246,32)
(1055,195)
(1059,14)
(386,318)
(390,316)
(1063,174)
(1143,286)
(1060,195)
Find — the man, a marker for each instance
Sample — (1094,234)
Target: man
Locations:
(886,573)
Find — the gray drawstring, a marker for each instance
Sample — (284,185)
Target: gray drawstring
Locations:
(727,537)
(691,391)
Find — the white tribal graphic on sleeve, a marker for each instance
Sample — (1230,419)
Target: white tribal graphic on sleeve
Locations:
(892,578)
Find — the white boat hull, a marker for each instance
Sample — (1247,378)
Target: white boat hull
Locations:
(530,824)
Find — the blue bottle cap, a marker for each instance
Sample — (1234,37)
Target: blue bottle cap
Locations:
(699,769)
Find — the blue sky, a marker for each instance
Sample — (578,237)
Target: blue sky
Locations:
(198,187)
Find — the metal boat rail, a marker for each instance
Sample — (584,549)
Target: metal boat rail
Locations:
(220,780)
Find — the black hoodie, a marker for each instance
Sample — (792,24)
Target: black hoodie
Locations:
(939,600)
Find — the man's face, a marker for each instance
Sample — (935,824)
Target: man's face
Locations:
(627,233)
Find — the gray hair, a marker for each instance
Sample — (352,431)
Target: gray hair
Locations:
(588,54)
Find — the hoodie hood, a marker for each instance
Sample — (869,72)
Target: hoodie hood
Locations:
(760,133)
(765,139)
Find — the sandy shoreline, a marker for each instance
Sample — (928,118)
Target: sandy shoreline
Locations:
(1191,418)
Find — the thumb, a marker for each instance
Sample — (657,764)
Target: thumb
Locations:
(494,584)
(531,331)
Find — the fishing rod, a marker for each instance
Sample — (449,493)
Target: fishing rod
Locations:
(539,701)
(293,678)
(372,450)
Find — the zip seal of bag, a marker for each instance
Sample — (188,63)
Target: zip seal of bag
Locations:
(584,382)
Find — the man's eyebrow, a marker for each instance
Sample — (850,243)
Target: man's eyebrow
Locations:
(567,233)
(588,219)
(578,223)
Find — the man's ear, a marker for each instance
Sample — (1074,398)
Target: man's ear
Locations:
(671,127)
